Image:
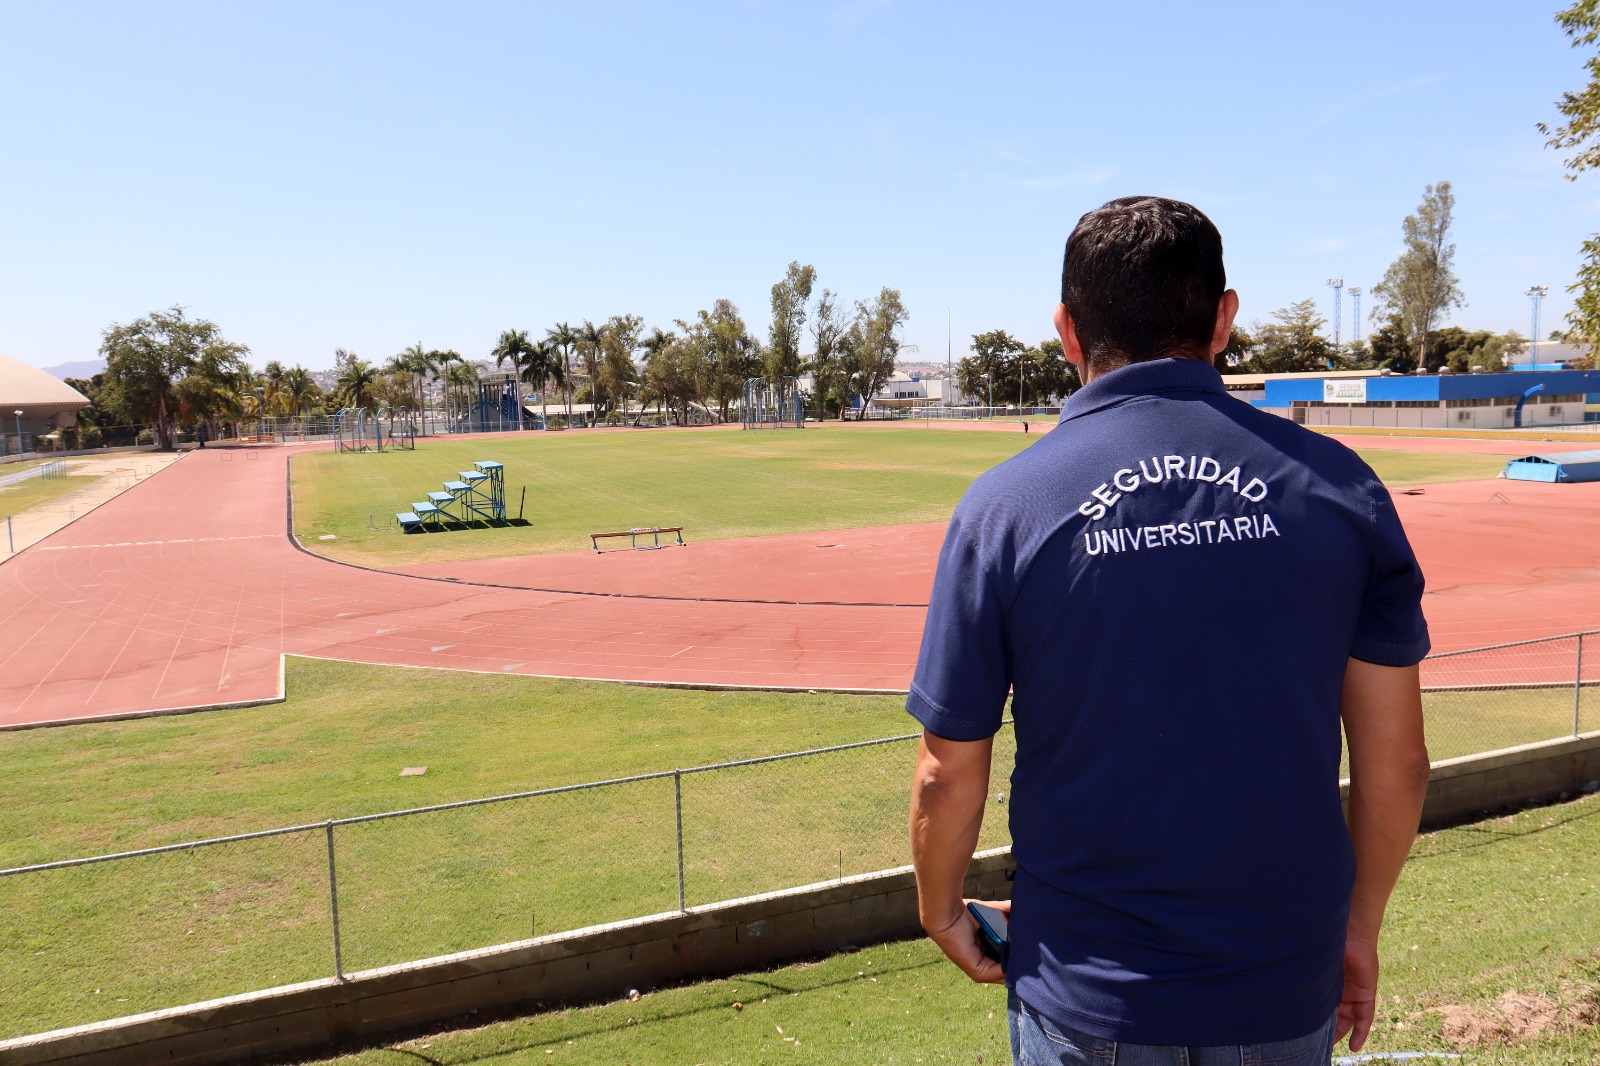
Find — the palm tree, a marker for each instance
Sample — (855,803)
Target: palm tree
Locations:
(299,390)
(543,367)
(563,337)
(515,346)
(590,338)
(416,361)
(460,380)
(439,365)
(356,379)
(272,379)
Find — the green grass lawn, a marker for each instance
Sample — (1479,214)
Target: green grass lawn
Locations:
(1511,904)
(38,491)
(716,484)
(174,928)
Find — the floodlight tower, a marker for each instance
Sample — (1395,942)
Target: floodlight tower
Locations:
(1355,311)
(1535,293)
(1337,285)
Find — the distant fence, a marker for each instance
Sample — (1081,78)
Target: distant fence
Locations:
(1535,416)
(88,938)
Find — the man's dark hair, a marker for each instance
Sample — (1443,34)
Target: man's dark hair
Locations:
(1141,278)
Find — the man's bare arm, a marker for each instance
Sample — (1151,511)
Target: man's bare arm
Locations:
(947,801)
(1382,710)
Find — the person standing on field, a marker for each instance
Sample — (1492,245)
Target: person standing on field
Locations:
(1184,597)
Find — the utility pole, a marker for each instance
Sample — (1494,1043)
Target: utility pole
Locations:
(949,365)
(1337,285)
(1535,293)
(1355,312)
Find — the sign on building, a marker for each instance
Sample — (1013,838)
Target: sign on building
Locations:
(1344,390)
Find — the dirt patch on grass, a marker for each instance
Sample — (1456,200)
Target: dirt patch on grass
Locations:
(1518,1017)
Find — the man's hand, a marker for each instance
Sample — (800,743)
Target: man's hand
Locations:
(947,799)
(1359,1001)
(957,936)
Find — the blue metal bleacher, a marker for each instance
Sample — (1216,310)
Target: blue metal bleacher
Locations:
(479,496)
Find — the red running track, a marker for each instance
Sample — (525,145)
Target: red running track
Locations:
(185,591)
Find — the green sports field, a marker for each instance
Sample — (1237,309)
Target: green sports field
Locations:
(37,491)
(1492,948)
(80,945)
(715,483)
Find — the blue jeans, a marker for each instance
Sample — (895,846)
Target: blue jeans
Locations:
(1038,1041)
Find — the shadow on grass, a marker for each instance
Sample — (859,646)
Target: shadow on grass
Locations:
(1500,831)
(530,1042)
(454,526)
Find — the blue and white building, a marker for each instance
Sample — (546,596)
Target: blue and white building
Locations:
(1522,398)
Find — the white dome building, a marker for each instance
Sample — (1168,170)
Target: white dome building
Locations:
(34,401)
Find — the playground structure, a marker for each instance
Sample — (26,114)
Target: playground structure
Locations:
(772,405)
(357,429)
(499,405)
(479,496)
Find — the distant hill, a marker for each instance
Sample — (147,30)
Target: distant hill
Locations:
(82,368)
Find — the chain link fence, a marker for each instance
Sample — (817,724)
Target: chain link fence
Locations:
(84,940)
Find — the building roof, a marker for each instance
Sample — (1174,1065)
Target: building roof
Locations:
(1257,381)
(27,386)
(1562,458)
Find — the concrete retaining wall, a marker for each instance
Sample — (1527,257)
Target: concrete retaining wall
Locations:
(605,961)
(597,963)
(1461,790)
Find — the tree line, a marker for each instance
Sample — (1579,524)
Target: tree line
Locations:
(173,372)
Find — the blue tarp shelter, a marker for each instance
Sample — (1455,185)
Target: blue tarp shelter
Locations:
(1561,467)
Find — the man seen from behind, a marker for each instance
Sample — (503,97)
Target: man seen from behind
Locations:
(1184,597)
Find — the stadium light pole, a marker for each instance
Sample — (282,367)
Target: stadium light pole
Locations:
(1535,293)
(1337,285)
(1355,312)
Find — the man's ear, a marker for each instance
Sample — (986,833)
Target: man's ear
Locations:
(1227,311)
(1069,338)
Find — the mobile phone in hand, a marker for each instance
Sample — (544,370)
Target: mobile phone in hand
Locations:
(993,937)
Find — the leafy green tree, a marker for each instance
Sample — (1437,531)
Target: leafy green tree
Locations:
(1461,350)
(789,299)
(616,373)
(1049,375)
(719,355)
(1388,347)
(1293,343)
(873,343)
(1421,287)
(829,376)
(1581,132)
(993,367)
(149,363)
(1235,358)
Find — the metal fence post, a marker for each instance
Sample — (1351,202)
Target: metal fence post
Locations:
(1577,688)
(333,906)
(677,802)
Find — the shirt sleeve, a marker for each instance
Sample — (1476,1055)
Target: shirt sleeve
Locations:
(964,669)
(1391,630)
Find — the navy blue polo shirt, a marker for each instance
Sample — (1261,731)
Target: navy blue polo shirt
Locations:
(1170,583)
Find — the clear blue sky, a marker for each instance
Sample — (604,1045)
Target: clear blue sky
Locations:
(313,176)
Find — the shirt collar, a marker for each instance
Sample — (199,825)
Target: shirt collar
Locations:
(1143,379)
